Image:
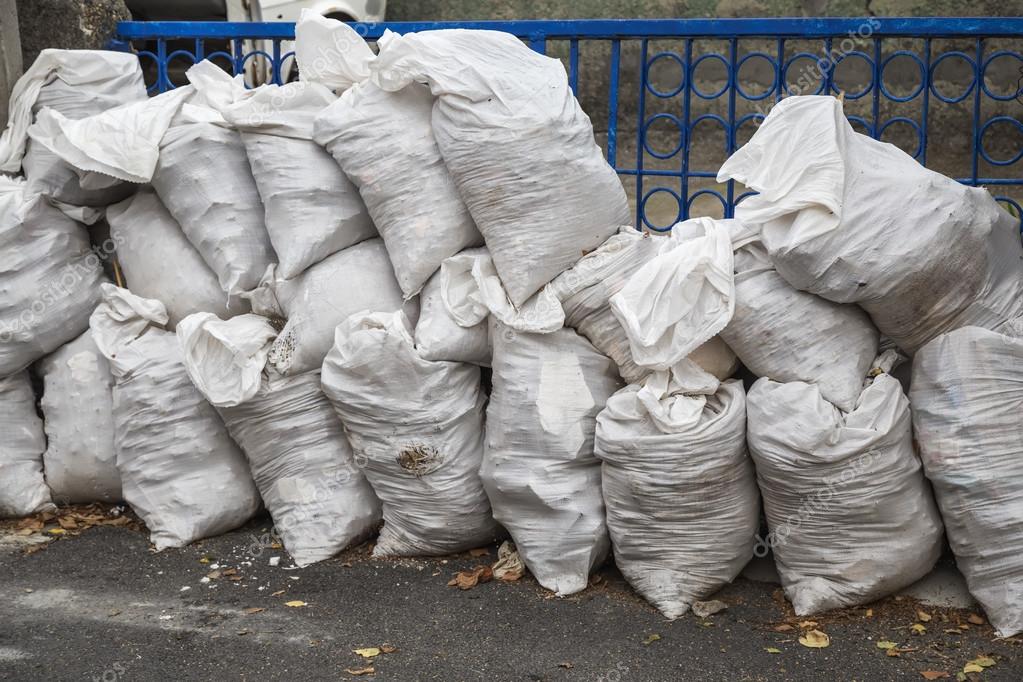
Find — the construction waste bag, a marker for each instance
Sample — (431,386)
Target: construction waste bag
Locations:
(317,301)
(417,427)
(539,467)
(682,502)
(966,395)
(204,179)
(312,209)
(384,143)
(180,470)
(856,220)
(159,262)
(438,334)
(682,297)
(502,108)
(789,335)
(585,292)
(71,84)
(851,517)
(50,278)
(299,456)
(23,489)
(77,405)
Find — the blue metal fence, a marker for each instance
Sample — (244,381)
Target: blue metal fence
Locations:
(976,46)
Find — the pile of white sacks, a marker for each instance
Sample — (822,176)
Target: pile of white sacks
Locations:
(314,274)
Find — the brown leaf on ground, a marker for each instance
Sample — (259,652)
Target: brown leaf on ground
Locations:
(254,609)
(509,566)
(567,665)
(466,580)
(388,648)
(368,670)
(479,551)
(784,627)
(934,674)
(815,639)
(975,619)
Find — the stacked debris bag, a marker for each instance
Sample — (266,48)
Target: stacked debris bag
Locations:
(855,220)
(439,333)
(313,304)
(417,427)
(158,262)
(851,517)
(299,456)
(789,335)
(312,209)
(204,179)
(384,143)
(967,396)
(50,279)
(23,489)
(67,84)
(180,470)
(539,466)
(519,148)
(77,405)
(682,501)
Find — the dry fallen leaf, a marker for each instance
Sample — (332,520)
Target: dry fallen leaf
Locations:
(479,551)
(772,650)
(984,661)
(204,560)
(567,665)
(886,645)
(509,566)
(975,619)
(869,613)
(295,604)
(807,624)
(368,652)
(918,628)
(254,609)
(784,627)
(972,668)
(651,639)
(277,593)
(923,616)
(815,639)
(368,670)
(214,575)
(466,580)
(388,648)
(934,674)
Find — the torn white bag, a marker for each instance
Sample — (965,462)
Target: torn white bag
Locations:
(77,406)
(75,84)
(312,209)
(967,395)
(180,470)
(439,336)
(518,145)
(856,220)
(204,179)
(384,143)
(539,469)
(23,490)
(159,262)
(49,278)
(788,335)
(683,506)
(314,303)
(418,427)
(299,456)
(851,517)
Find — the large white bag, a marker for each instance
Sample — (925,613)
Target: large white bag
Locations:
(159,262)
(312,208)
(298,454)
(682,501)
(314,303)
(967,396)
(383,141)
(439,336)
(204,179)
(49,278)
(851,517)
(77,404)
(856,220)
(23,490)
(788,335)
(418,425)
(76,84)
(180,470)
(539,469)
(518,145)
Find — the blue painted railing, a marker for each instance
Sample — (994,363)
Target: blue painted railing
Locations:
(977,46)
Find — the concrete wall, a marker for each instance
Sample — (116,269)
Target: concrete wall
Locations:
(69,24)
